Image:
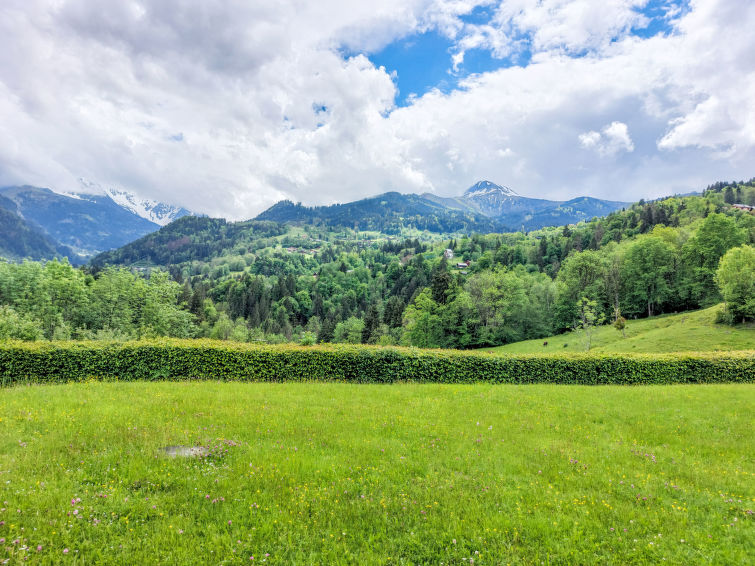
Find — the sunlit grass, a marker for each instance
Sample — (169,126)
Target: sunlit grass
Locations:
(688,331)
(361,474)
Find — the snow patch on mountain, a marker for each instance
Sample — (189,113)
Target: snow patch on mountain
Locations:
(154,211)
(486,188)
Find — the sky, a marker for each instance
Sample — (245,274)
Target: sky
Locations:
(228,106)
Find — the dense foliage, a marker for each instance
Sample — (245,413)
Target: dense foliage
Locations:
(55,301)
(44,362)
(191,238)
(266,282)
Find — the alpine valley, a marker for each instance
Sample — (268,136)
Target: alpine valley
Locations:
(39,223)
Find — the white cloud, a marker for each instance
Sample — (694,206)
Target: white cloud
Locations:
(572,25)
(613,139)
(102,91)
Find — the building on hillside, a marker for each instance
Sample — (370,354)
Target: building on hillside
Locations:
(747,207)
(462,265)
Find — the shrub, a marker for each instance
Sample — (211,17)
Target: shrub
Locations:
(208,359)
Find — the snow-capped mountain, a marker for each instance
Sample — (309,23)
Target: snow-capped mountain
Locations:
(497,201)
(152,210)
(486,188)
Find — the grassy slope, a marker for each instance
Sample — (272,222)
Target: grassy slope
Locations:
(407,474)
(689,331)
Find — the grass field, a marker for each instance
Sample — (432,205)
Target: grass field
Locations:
(320,473)
(688,331)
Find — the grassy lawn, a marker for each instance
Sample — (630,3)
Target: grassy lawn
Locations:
(321,473)
(689,331)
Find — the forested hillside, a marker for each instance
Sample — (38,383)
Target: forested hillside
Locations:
(389,213)
(192,238)
(19,239)
(263,281)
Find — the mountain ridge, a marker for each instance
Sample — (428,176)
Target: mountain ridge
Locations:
(483,206)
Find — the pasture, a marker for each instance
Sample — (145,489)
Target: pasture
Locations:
(683,332)
(334,473)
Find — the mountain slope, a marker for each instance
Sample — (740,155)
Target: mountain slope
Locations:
(569,212)
(501,202)
(22,240)
(87,224)
(189,238)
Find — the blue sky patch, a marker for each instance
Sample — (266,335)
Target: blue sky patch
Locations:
(656,11)
(422,62)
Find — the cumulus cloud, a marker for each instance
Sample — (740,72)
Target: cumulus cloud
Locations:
(613,139)
(227,106)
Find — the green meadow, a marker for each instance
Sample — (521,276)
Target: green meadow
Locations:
(688,331)
(334,473)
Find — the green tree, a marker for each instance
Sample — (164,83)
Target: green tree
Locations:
(736,280)
(349,331)
(223,328)
(423,322)
(441,282)
(161,312)
(393,314)
(701,254)
(646,272)
(582,274)
(371,331)
(15,326)
(619,322)
(589,316)
(116,295)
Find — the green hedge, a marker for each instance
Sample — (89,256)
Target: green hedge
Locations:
(205,359)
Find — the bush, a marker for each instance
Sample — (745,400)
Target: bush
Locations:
(207,359)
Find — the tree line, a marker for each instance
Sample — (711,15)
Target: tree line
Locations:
(267,282)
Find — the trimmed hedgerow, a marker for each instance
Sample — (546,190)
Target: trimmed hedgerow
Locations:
(207,359)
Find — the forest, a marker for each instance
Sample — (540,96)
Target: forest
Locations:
(269,282)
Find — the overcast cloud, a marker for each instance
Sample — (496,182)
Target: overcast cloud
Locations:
(228,106)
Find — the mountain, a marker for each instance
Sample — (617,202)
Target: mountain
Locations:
(22,240)
(388,213)
(483,207)
(87,224)
(152,210)
(569,212)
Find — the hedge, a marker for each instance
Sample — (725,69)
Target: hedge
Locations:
(43,362)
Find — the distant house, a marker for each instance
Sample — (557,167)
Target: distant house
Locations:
(448,254)
(462,265)
(746,207)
